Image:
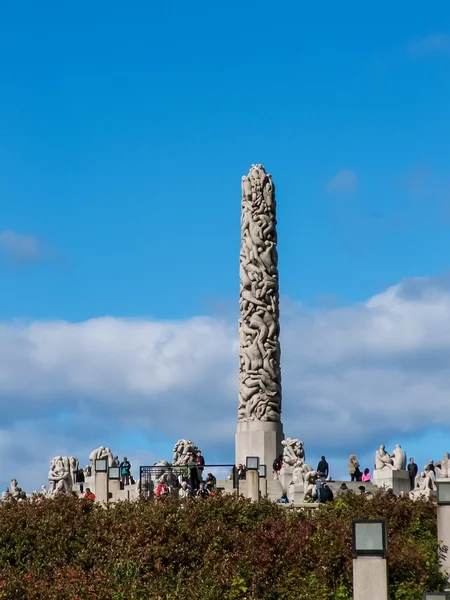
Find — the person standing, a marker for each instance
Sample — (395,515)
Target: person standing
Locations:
(353,468)
(412,470)
(322,468)
(195,480)
(201,463)
(125,471)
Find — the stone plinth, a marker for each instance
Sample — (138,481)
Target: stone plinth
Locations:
(296,493)
(397,481)
(101,487)
(286,475)
(370,580)
(443,525)
(259,438)
(263,486)
(252,480)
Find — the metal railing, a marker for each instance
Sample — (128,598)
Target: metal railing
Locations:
(173,476)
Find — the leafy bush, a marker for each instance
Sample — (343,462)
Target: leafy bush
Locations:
(220,548)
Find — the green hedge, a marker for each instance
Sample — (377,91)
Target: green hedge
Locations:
(214,549)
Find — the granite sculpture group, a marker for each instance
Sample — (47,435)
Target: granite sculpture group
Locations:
(295,473)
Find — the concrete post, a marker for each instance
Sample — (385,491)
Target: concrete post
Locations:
(101,487)
(114,488)
(263,486)
(370,581)
(252,478)
(443,526)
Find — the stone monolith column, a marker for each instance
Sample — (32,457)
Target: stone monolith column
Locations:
(259,431)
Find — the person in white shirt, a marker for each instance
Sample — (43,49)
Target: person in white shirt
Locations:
(184,492)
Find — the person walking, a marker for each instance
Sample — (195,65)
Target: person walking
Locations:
(413,469)
(353,468)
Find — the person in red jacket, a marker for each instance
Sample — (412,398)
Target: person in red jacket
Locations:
(162,489)
(89,495)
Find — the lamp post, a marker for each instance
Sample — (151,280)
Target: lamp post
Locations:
(101,479)
(370,580)
(263,480)
(101,465)
(252,475)
(443,520)
(114,473)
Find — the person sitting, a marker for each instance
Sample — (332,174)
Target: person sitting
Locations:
(162,490)
(326,494)
(362,490)
(210,482)
(283,499)
(366,475)
(202,491)
(89,495)
(184,492)
(343,490)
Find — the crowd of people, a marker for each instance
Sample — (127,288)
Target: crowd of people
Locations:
(189,482)
(323,492)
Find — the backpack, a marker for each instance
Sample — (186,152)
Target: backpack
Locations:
(277,464)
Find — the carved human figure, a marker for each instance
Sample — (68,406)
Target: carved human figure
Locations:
(399,458)
(100,453)
(73,466)
(293,452)
(443,467)
(15,491)
(181,451)
(300,472)
(310,487)
(424,485)
(259,355)
(59,477)
(161,467)
(382,460)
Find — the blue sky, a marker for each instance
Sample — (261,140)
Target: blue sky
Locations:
(124,131)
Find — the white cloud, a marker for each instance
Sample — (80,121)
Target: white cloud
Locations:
(352,378)
(431,44)
(18,247)
(344,181)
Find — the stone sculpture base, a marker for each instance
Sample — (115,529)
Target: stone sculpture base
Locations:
(259,438)
(397,481)
(370,578)
(286,475)
(296,493)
